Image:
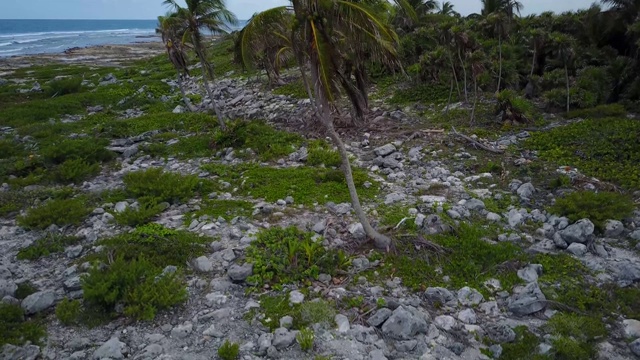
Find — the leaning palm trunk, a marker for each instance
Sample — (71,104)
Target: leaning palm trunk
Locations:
(500,66)
(533,63)
(207,86)
(186,100)
(464,73)
(566,74)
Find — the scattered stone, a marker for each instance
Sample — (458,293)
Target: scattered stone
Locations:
(439,295)
(404,325)
(283,338)
(530,273)
(182,331)
(7,288)
(73,252)
(385,150)
(577,249)
(379,317)
(319,227)
(500,333)
(343,323)
(469,297)
(357,230)
(474,204)
(631,328)
(445,322)
(202,264)
(493,217)
(635,347)
(240,273)
(467,316)
(112,349)
(296,297)
(38,302)
(526,190)
(394,198)
(578,232)
(27,352)
(286,322)
(528,301)
(613,228)
(377,355)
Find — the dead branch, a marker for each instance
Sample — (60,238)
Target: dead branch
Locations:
(475,143)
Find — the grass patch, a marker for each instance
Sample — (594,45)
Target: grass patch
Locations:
(267,142)
(61,212)
(25,289)
(145,212)
(51,243)
(16,329)
(64,86)
(306,185)
(226,209)
(160,186)
(605,148)
(523,348)
(287,255)
(295,89)
(597,207)
(599,112)
(275,307)
(425,93)
(229,351)
(320,153)
(576,336)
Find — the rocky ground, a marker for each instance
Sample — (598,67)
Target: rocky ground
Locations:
(432,186)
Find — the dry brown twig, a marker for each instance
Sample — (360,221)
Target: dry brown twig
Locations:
(475,143)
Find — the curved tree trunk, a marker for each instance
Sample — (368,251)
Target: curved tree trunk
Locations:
(205,81)
(500,66)
(455,77)
(446,111)
(533,63)
(186,100)
(475,100)
(464,73)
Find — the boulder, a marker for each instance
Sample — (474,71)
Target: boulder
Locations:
(500,333)
(38,302)
(579,232)
(404,325)
(528,301)
(113,349)
(613,228)
(240,273)
(385,150)
(469,297)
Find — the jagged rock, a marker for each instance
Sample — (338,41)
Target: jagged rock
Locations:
(179,110)
(445,322)
(635,235)
(4,273)
(469,297)
(433,224)
(577,249)
(202,264)
(357,230)
(439,295)
(72,284)
(12,352)
(38,302)
(404,325)
(379,317)
(73,252)
(121,206)
(130,151)
(635,347)
(631,328)
(283,338)
(7,288)
(578,232)
(514,218)
(626,272)
(182,331)
(343,323)
(286,322)
(528,301)
(394,198)
(467,316)
(385,150)
(319,227)
(530,273)
(377,355)
(500,333)
(296,297)
(240,273)
(113,349)
(474,204)
(150,352)
(493,217)
(264,342)
(526,190)
(613,228)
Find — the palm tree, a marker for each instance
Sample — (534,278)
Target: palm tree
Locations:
(538,38)
(447,9)
(326,37)
(176,53)
(211,15)
(563,45)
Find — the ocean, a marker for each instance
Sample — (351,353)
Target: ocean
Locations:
(27,37)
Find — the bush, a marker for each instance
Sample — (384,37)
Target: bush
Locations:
(146,211)
(226,209)
(579,98)
(599,112)
(229,351)
(90,150)
(267,142)
(283,256)
(607,149)
(75,170)
(15,329)
(25,289)
(308,313)
(65,86)
(576,336)
(597,207)
(294,89)
(161,186)
(68,312)
(515,108)
(161,246)
(138,285)
(320,153)
(305,338)
(61,212)
(430,93)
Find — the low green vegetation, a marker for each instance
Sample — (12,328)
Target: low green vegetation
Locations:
(307,185)
(64,86)
(287,255)
(227,209)
(147,209)
(16,329)
(305,338)
(25,289)
(51,243)
(274,307)
(422,93)
(575,336)
(69,312)
(597,207)
(320,153)
(61,212)
(524,347)
(294,89)
(229,351)
(604,148)
(599,112)
(156,185)
(267,142)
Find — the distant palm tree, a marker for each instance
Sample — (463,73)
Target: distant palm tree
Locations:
(447,9)
(191,20)
(176,53)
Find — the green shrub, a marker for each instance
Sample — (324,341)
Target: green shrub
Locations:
(267,142)
(229,351)
(322,154)
(275,307)
(523,348)
(65,86)
(76,170)
(515,108)
(146,211)
(606,148)
(597,207)
(68,312)
(15,329)
(90,150)
(161,186)
(306,338)
(283,256)
(159,245)
(60,212)
(25,289)
(137,284)
(576,336)
(294,89)
(425,93)
(226,209)
(578,98)
(599,112)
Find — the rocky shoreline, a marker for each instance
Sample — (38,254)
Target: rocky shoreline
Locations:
(426,178)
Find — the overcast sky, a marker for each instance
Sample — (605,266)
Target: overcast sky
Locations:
(150,9)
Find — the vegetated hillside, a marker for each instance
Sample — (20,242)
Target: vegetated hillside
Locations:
(132,227)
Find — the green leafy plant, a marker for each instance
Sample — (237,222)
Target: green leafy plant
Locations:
(229,351)
(576,336)
(161,186)
(597,207)
(75,170)
(16,329)
(305,338)
(309,312)
(294,89)
(65,86)
(68,312)
(281,256)
(139,285)
(61,212)
(146,211)
(514,108)
(25,289)
(599,112)
(267,142)
(320,153)
(90,150)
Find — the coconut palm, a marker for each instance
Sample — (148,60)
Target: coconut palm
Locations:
(331,38)
(176,53)
(563,46)
(447,9)
(199,15)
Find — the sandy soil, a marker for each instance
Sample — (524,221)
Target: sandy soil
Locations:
(103,55)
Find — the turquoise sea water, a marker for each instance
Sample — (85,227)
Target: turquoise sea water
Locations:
(22,37)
